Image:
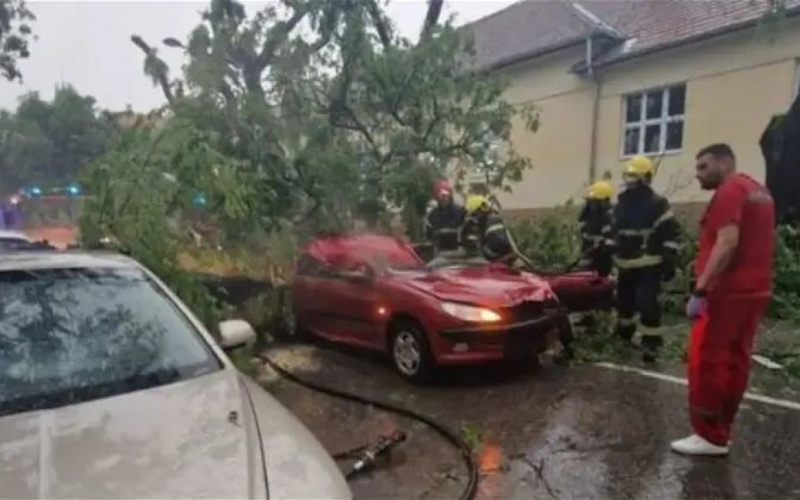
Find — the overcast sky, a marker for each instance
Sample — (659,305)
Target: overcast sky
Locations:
(87,44)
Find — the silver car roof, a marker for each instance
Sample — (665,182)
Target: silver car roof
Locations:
(5,234)
(45,259)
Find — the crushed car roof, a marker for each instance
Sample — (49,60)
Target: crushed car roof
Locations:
(352,249)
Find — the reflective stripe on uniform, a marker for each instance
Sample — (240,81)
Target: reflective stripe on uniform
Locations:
(664,218)
(626,322)
(448,230)
(606,229)
(635,232)
(645,261)
(494,228)
(671,244)
(650,331)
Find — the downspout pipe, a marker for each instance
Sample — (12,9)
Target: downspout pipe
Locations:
(595,107)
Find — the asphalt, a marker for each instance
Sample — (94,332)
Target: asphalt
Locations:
(546,432)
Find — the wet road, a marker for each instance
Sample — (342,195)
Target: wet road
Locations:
(549,432)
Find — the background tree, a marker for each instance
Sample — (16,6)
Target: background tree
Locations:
(15,32)
(47,143)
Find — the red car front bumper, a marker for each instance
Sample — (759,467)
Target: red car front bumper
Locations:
(480,344)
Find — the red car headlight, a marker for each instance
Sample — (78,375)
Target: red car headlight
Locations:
(472,314)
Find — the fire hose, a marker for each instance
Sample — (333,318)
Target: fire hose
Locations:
(368,456)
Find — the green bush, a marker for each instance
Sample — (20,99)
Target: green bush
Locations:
(549,239)
(786,301)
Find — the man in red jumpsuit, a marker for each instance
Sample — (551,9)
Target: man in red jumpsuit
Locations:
(733,271)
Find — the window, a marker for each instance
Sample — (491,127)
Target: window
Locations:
(796,88)
(654,121)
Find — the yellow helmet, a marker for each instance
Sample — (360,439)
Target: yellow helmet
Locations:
(639,166)
(474,202)
(601,190)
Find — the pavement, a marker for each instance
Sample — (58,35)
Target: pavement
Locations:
(544,431)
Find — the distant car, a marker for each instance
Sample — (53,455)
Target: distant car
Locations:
(10,240)
(375,292)
(111,388)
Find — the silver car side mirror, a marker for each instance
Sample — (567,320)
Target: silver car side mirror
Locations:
(235,333)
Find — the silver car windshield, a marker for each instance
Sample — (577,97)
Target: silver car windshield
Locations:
(72,335)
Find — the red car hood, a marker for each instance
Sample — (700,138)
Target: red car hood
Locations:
(488,286)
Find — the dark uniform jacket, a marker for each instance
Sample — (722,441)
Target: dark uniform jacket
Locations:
(486,234)
(645,230)
(443,225)
(596,223)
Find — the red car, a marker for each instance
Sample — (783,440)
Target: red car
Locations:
(375,292)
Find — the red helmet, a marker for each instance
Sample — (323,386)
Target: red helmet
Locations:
(442,188)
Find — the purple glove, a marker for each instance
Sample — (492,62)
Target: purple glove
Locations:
(696,306)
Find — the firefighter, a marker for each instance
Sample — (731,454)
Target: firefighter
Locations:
(443,221)
(646,236)
(484,232)
(595,223)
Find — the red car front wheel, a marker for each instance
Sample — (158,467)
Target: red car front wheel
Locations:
(410,352)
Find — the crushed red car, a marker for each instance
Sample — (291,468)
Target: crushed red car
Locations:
(375,292)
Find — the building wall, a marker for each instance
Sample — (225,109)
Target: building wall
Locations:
(735,84)
(559,150)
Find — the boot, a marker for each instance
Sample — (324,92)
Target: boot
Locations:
(626,332)
(651,346)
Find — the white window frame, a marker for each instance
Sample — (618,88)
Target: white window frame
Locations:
(644,122)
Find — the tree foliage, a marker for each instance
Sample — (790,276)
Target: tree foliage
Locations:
(316,113)
(48,142)
(333,114)
(15,32)
(142,195)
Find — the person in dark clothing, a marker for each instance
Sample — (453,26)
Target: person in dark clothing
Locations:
(443,221)
(595,222)
(484,232)
(646,236)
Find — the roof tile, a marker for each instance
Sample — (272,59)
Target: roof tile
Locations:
(533,27)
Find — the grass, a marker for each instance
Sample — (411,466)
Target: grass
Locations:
(777,340)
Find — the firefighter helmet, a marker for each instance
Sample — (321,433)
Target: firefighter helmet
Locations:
(475,202)
(639,167)
(601,190)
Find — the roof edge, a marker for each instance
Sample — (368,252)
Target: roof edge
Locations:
(581,68)
(533,54)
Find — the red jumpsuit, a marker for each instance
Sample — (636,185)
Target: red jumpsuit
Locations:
(722,338)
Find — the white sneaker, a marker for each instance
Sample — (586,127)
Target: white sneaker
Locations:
(697,446)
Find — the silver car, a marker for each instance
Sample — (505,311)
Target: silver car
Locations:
(12,239)
(111,388)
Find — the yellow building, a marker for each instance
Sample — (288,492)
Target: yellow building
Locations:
(614,78)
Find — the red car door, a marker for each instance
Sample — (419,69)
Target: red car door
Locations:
(311,295)
(353,306)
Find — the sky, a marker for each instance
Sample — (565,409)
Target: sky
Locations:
(87,44)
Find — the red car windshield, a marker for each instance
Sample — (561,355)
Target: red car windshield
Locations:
(383,252)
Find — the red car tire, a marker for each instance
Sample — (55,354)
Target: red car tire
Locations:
(410,352)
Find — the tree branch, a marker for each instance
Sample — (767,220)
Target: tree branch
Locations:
(384,31)
(279,34)
(161,76)
(431,18)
